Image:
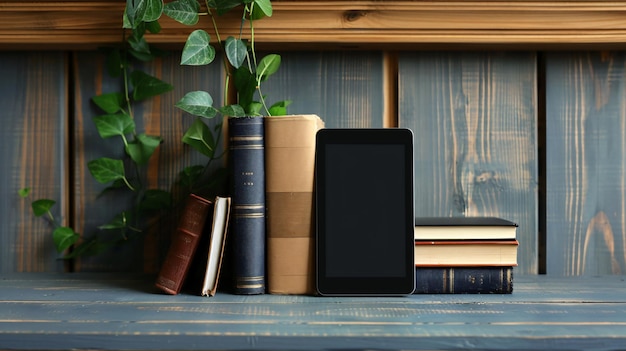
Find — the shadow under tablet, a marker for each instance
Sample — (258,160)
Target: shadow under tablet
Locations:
(364,212)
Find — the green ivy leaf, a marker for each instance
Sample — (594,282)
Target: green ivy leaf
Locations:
(109,103)
(139,47)
(190,175)
(199,137)
(197,50)
(262,8)
(114,125)
(236,51)
(279,108)
(135,11)
(24,192)
(245,84)
(254,109)
(141,149)
(198,103)
(153,11)
(126,21)
(183,11)
(153,27)
(223,6)
(155,200)
(42,206)
(268,66)
(106,169)
(233,111)
(64,237)
(147,86)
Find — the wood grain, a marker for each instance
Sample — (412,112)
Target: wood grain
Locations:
(123,312)
(34,154)
(586,157)
(306,24)
(344,88)
(155,116)
(474,120)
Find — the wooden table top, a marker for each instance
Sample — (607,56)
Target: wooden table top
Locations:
(102,311)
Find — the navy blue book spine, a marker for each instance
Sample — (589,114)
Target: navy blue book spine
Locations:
(247,157)
(463,280)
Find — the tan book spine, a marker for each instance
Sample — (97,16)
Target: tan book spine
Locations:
(184,244)
(289,169)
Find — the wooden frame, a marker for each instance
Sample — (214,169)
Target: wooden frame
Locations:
(308,24)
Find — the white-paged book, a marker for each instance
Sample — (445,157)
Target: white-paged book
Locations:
(464,228)
(219,228)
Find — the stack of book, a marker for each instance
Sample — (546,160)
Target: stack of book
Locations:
(470,255)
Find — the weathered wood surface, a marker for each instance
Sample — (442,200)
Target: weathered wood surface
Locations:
(344,88)
(107,312)
(474,119)
(586,163)
(155,116)
(34,154)
(306,24)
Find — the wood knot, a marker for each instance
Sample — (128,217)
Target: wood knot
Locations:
(354,15)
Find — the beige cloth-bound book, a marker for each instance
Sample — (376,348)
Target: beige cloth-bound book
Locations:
(289,170)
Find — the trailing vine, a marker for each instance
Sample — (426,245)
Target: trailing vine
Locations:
(245,75)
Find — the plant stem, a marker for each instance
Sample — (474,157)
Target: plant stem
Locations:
(53,220)
(128,184)
(125,76)
(224,58)
(252,44)
(254,60)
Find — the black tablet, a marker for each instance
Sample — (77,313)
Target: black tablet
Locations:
(364,212)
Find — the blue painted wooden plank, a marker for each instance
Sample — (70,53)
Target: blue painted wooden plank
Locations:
(474,120)
(128,288)
(33,152)
(344,88)
(586,158)
(76,311)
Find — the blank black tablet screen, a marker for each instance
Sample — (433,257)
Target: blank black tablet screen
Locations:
(365,212)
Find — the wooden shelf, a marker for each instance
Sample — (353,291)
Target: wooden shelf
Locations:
(76,311)
(311,24)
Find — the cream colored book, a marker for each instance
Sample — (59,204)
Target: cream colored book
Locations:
(221,214)
(289,185)
(465,253)
(464,228)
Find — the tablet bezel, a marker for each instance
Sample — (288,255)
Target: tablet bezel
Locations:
(366,285)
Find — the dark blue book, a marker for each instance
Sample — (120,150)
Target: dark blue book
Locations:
(463,280)
(247,157)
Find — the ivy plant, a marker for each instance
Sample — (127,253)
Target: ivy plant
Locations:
(116,120)
(245,74)
(244,70)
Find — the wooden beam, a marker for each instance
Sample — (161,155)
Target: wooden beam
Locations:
(306,24)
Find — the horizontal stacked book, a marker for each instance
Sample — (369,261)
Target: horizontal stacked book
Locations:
(464,255)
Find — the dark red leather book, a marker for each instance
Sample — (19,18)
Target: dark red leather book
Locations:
(184,244)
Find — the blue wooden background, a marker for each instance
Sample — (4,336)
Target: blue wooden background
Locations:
(586,163)
(486,125)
